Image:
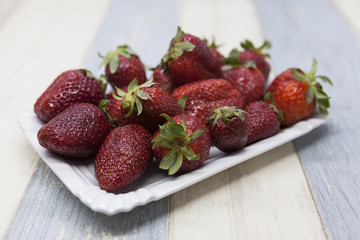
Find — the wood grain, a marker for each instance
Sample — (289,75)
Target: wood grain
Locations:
(330,154)
(266,197)
(48,210)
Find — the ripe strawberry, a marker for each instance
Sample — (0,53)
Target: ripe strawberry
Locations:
(122,66)
(189,59)
(214,48)
(296,94)
(70,87)
(142,104)
(229,128)
(163,79)
(77,132)
(123,157)
(257,55)
(264,120)
(182,144)
(205,95)
(245,77)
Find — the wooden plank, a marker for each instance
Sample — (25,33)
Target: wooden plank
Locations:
(35,47)
(266,197)
(330,155)
(48,210)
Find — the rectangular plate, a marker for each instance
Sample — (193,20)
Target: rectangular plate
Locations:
(154,184)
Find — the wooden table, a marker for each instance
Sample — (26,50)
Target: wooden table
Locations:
(306,189)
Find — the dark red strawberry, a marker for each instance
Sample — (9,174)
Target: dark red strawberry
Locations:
(142,104)
(182,144)
(123,157)
(77,131)
(245,77)
(189,59)
(70,87)
(122,66)
(163,79)
(214,48)
(257,55)
(264,120)
(205,95)
(296,94)
(229,128)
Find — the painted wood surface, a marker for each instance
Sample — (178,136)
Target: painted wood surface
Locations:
(330,154)
(249,201)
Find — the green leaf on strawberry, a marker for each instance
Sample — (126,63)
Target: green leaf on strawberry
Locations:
(173,136)
(225,113)
(315,88)
(248,45)
(112,58)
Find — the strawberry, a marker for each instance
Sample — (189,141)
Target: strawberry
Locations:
(264,120)
(245,77)
(142,104)
(122,66)
(163,79)
(214,48)
(182,144)
(77,131)
(257,55)
(229,128)
(70,87)
(189,59)
(205,95)
(123,157)
(296,94)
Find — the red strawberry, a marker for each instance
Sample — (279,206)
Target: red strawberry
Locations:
(142,104)
(229,128)
(257,55)
(205,95)
(73,86)
(163,79)
(122,66)
(245,77)
(182,144)
(123,157)
(78,131)
(296,94)
(189,59)
(264,120)
(214,48)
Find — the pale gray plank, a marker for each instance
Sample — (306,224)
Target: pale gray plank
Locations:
(48,210)
(300,31)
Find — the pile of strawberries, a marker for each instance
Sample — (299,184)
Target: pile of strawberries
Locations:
(196,97)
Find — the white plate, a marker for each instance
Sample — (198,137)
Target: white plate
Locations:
(154,184)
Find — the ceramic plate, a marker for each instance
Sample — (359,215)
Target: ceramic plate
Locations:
(154,184)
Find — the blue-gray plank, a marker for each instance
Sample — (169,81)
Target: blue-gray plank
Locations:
(48,210)
(301,31)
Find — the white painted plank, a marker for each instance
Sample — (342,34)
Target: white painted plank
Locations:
(38,40)
(264,198)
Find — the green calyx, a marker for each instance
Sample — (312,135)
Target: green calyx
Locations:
(102,106)
(212,44)
(132,99)
(315,88)
(248,45)
(112,58)
(225,113)
(173,136)
(177,48)
(233,61)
